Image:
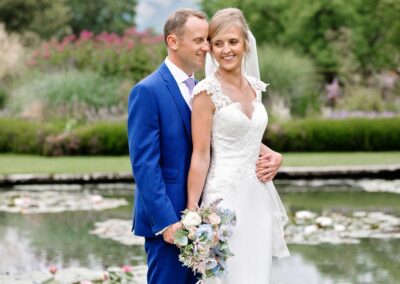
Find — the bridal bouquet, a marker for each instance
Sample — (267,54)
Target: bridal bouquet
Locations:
(203,239)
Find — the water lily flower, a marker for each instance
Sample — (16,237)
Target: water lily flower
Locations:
(310,229)
(127,268)
(97,198)
(305,215)
(339,228)
(53,269)
(324,221)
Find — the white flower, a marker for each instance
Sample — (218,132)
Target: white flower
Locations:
(310,229)
(324,221)
(191,219)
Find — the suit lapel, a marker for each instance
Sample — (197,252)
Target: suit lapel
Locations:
(180,102)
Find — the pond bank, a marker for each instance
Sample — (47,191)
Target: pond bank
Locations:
(291,173)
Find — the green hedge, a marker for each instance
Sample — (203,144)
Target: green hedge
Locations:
(335,135)
(103,138)
(19,136)
(109,138)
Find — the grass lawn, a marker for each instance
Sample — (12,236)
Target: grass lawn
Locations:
(340,159)
(10,163)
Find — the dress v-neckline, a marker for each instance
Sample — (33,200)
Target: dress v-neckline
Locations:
(231,102)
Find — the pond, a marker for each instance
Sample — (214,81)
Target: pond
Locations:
(33,242)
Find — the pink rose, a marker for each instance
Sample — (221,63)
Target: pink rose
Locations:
(214,219)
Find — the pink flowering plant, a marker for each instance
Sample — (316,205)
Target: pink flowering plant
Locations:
(203,239)
(134,54)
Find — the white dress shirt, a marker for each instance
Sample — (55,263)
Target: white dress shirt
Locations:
(180,77)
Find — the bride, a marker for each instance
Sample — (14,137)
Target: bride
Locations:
(228,123)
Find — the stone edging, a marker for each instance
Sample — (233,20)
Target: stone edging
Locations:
(331,172)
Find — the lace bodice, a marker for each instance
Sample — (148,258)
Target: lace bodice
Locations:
(235,138)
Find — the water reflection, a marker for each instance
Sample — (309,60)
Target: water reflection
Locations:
(35,241)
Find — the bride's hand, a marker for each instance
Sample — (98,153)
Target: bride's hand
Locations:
(268,165)
(193,207)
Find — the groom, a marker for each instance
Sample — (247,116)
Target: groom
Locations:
(160,145)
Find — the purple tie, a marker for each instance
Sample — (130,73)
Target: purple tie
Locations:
(189,82)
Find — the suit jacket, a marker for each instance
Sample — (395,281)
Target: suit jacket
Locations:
(160,147)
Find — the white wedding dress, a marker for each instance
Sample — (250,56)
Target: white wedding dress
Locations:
(235,142)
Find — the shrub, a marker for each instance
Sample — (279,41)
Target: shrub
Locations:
(133,55)
(362,99)
(103,138)
(11,54)
(81,95)
(19,136)
(106,138)
(293,78)
(336,135)
(61,145)
(3,97)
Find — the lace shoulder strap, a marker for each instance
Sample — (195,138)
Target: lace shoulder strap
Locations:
(258,86)
(211,86)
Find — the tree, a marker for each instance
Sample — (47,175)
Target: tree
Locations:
(361,35)
(44,17)
(265,18)
(377,30)
(101,15)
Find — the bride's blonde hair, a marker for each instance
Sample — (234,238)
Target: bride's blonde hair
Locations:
(226,18)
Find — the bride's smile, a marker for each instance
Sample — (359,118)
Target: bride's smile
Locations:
(228,48)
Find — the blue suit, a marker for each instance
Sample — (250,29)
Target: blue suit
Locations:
(160,148)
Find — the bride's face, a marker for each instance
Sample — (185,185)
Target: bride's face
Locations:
(228,48)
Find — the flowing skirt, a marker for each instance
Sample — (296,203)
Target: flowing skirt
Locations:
(259,232)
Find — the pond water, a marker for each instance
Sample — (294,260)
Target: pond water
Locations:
(32,242)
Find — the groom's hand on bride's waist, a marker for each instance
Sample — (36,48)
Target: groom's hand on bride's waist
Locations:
(168,233)
(267,166)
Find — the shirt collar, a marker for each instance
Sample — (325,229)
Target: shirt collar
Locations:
(178,74)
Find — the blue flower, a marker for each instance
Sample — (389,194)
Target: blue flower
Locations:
(228,216)
(225,232)
(205,231)
(218,271)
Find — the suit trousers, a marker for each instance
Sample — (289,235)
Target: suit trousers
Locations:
(163,263)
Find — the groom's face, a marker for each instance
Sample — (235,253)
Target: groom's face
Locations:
(192,45)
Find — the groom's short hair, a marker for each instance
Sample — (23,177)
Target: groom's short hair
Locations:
(176,21)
